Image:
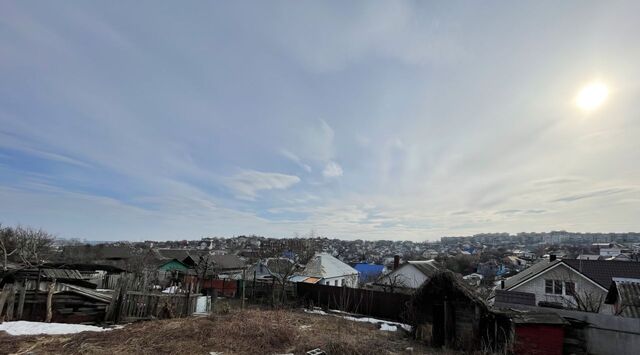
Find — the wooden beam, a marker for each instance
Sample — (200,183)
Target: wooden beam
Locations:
(23,293)
(11,303)
(3,298)
(52,287)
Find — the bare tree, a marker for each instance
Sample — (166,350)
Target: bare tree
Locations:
(32,245)
(8,244)
(579,298)
(392,282)
(204,266)
(282,267)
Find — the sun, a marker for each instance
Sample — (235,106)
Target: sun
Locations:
(592,96)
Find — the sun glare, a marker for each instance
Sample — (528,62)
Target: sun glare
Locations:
(592,96)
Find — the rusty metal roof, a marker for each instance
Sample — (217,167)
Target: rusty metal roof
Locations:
(61,274)
(311,280)
(625,292)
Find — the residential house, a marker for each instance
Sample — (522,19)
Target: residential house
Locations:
(571,283)
(588,257)
(268,269)
(369,272)
(331,271)
(408,276)
(473,279)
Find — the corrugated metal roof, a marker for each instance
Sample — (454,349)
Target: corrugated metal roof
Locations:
(61,274)
(529,317)
(298,278)
(529,272)
(325,265)
(603,271)
(427,267)
(311,280)
(515,297)
(626,293)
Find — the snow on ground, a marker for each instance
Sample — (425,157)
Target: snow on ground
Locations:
(388,328)
(384,325)
(32,328)
(172,289)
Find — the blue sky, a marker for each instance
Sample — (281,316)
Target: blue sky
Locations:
(372,120)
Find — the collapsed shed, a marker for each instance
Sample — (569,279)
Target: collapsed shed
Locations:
(447,312)
(57,295)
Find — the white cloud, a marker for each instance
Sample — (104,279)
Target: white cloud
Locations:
(247,183)
(332,169)
(296,159)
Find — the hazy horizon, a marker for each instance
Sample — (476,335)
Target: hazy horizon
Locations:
(360,120)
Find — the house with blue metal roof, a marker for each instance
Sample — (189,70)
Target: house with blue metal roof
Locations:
(369,272)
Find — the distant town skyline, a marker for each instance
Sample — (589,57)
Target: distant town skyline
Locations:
(360,120)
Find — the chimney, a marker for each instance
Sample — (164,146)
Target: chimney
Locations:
(502,284)
(552,257)
(396,261)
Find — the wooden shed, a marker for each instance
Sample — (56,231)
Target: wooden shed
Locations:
(446,312)
(26,293)
(535,333)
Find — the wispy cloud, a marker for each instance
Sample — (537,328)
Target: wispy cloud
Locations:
(358,119)
(247,184)
(592,194)
(296,159)
(332,170)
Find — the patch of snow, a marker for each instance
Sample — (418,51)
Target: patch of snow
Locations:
(388,328)
(32,328)
(406,327)
(172,289)
(316,311)
(305,327)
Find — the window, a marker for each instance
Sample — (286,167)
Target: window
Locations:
(557,287)
(569,288)
(553,287)
(335,282)
(342,282)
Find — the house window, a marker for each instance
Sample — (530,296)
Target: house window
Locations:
(569,288)
(342,282)
(548,286)
(553,287)
(335,283)
(557,287)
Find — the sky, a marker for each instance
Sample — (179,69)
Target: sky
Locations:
(357,120)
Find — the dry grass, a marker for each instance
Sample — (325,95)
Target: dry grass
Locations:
(239,332)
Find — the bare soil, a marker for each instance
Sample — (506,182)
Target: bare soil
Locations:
(238,332)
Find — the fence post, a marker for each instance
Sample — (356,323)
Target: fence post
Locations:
(52,286)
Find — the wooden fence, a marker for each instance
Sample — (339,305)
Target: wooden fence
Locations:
(136,305)
(132,301)
(392,306)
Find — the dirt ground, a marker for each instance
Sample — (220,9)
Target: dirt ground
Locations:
(238,332)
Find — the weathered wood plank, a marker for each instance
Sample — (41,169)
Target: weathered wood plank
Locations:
(3,298)
(23,294)
(11,303)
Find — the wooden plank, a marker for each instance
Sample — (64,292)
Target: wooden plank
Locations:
(11,303)
(3,298)
(52,287)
